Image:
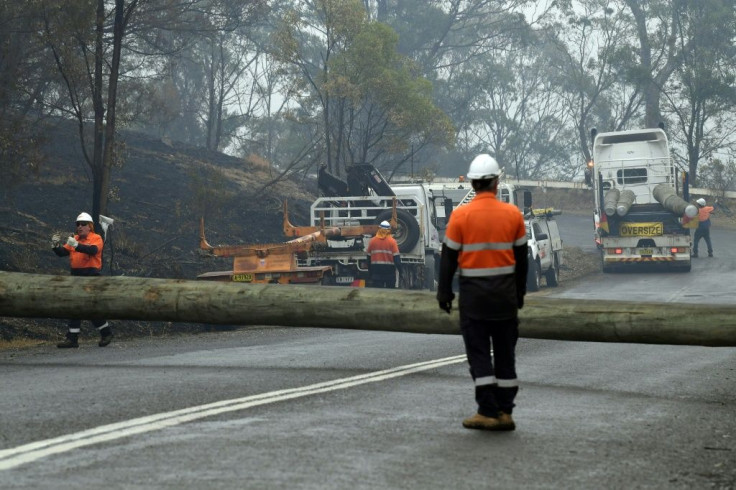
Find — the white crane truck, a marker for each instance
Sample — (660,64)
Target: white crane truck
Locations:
(367,198)
(638,210)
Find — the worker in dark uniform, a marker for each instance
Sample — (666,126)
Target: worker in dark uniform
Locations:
(84,250)
(486,242)
(703,229)
(383,253)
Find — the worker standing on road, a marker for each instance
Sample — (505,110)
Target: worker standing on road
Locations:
(383,254)
(486,241)
(703,229)
(85,256)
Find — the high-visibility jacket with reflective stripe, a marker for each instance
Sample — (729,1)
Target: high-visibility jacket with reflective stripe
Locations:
(485,231)
(382,251)
(87,258)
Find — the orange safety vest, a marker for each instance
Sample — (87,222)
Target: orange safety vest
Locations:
(485,232)
(704,213)
(382,249)
(81,260)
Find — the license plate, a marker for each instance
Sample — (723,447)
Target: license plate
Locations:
(242,277)
(646,251)
(344,279)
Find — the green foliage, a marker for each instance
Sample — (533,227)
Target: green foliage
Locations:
(372,100)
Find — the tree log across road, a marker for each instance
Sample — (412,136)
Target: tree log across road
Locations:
(136,298)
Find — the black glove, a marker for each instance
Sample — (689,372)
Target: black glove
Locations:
(520,300)
(445,301)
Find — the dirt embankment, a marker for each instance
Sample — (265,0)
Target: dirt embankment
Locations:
(157,198)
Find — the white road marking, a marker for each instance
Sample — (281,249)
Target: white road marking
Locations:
(27,453)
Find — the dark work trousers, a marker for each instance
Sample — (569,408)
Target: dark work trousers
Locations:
(494,372)
(384,280)
(702,232)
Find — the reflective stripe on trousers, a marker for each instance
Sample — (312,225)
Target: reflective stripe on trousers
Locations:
(494,374)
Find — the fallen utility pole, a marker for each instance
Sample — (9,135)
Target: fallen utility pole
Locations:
(136,298)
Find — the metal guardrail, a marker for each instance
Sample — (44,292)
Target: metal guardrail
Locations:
(581,185)
(555,184)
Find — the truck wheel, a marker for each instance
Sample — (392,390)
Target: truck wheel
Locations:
(429,273)
(605,268)
(553,274)
(407,229)
(534,277)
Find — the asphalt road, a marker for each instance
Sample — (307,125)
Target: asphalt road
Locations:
(331,409)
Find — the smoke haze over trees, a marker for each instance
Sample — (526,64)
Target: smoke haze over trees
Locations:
(407,85)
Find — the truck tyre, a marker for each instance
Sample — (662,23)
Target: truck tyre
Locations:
(534,277)
(605,268)
(553,274)
(429,272)
(407,228)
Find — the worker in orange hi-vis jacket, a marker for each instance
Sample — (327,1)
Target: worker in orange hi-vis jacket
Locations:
(486,243)
(703,229)
(84,250)
(383,253)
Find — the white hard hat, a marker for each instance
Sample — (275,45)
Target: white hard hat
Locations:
(385,225)
(701,202)
(85,217)
(483,166)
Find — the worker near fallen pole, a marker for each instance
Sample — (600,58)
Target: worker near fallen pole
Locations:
(84,250)
(486,243)
(703,229)
(383,254)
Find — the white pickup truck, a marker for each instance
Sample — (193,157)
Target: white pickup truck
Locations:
(545,248)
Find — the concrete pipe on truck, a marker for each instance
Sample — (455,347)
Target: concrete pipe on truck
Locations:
(610,200)
(666,196)
(625,200)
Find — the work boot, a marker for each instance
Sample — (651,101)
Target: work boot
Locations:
(506,421)
(695,255)
(482,422)
(105,336)
(71,341)
(710,254)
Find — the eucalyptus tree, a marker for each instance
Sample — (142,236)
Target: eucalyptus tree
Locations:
(657,55)
(366,100)
(702,94)
(518,116)
(207,63)
(24,76)
(453,41)
(589,46)
(96,44)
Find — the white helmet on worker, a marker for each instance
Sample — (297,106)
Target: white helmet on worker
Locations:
(483,166)
(85,217)
(701,202)
(385,225)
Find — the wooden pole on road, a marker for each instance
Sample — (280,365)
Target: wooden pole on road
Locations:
(136,298)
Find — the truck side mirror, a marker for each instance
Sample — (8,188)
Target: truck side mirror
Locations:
(527,199)
(542,236)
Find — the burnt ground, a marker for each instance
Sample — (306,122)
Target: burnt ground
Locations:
(158,195)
